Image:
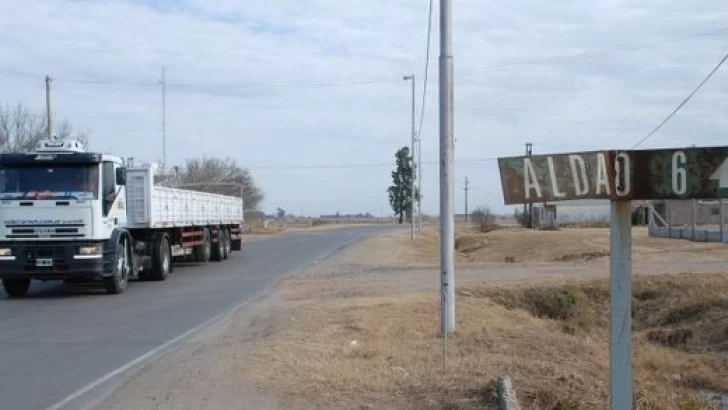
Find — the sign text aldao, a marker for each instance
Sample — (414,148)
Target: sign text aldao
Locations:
(679,173)
(542,178)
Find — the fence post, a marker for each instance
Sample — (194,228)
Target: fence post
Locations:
(722,220)
(693,207)
(668,217)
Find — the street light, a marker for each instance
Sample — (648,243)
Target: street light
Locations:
(413,176)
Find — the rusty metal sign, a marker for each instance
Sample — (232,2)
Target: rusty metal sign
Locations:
(558,177)
(678,173)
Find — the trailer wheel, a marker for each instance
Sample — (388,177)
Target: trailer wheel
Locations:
(218,247)
(16,287)
(118,282)
(161,259)
(226,244)
(203,251)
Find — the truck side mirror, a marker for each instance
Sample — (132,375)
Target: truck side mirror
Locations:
(121,176)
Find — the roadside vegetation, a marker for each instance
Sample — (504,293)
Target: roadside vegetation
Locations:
(551,340)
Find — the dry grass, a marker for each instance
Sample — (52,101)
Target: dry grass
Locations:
(385,352)
(519,245)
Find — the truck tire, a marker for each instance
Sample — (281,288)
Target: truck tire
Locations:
(218,246)
(226,244)
(118,282)
(161,259)
(16,287)
(204,251)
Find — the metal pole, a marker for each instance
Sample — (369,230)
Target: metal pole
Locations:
(49,107)
(529,221)
(419,181)
(466,200)
(414,165)
(620,310)
(412,155)
(164,118)
(447,217)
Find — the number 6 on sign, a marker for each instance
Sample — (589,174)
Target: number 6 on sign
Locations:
(679,175)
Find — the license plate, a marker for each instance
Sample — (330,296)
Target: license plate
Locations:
(44,262)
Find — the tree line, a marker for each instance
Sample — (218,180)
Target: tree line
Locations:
(21,128)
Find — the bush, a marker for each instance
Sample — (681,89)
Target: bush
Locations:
(564,304)
(484,219)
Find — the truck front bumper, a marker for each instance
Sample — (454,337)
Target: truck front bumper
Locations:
(52,260)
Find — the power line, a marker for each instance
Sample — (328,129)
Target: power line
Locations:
(427,69)
(153,83)
(682,104)
(357,166)
(598,53)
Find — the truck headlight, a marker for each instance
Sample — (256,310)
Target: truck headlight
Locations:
(6,252)
(89,250)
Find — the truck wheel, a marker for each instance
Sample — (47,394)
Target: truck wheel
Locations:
(218,247)
(16,287)
(117,283)
(161,258)
(226,244)
(204,251)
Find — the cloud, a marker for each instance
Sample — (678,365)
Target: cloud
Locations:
(281,84)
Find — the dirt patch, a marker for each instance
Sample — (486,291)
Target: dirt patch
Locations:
(585,256)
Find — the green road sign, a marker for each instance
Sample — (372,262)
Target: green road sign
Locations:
(677,173)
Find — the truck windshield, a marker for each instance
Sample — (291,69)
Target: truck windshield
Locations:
(49,182)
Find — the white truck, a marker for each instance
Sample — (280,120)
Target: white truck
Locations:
(67,214)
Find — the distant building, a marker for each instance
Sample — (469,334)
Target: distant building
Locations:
(582,211)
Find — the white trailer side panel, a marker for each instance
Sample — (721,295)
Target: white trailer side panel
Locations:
(152,206)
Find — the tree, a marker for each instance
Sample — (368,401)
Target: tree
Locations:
(280,213)
(21,128)
(217,171)
(400,192)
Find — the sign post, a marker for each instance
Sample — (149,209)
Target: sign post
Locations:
(618,176)
(620,306)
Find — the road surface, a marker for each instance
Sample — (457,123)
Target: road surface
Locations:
(63,346)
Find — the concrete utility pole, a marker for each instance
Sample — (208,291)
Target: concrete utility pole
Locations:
(49,107)
(466,189)
(412,153)
(447,216)
(528,209)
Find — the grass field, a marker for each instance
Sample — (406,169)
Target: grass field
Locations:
(552,341)
(328,344)
(519,245)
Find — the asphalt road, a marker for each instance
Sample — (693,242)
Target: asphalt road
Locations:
(62,338)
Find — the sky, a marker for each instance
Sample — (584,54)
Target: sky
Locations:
(309,95)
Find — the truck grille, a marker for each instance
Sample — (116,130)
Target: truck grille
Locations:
(66,231)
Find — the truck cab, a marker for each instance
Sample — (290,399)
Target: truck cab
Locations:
(59,207)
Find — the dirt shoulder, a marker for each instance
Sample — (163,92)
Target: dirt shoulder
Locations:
(360,330)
